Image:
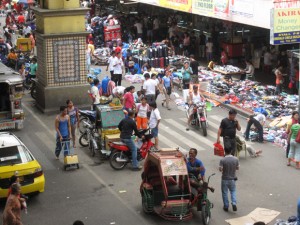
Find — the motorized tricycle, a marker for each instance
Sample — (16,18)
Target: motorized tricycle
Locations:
(166,189)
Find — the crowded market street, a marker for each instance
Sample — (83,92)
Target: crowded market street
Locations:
(97,193)
(193,76)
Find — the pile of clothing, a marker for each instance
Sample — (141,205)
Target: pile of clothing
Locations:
(250,95)
(227,68)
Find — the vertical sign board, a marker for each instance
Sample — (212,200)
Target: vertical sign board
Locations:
(285,26)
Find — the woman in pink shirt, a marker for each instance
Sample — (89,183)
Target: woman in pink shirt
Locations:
(128,99)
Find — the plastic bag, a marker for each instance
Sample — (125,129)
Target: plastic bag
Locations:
(218,149)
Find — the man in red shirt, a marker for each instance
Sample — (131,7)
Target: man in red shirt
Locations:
(21,19)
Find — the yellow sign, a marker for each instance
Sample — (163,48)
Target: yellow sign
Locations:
(181,5)
(286,20)
(286,26)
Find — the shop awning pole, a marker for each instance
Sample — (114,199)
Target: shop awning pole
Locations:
(298,81)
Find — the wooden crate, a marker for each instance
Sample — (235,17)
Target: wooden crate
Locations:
(111,138)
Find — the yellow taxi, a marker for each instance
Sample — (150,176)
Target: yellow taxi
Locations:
(16,159)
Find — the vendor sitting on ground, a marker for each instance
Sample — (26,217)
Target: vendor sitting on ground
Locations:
(196,169)
(258,121)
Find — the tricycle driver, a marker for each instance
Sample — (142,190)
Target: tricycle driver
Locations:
(196,170)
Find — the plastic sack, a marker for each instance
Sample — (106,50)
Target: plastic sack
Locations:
(218,149)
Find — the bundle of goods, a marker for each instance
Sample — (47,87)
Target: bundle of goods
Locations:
(104,29)
(227,69)
(102,55)
(177,61)
(136,78)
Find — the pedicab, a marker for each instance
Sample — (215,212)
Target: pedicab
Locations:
(166,189)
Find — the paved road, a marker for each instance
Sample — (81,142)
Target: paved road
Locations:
(99,195)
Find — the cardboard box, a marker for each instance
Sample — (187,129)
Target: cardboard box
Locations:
(111,138)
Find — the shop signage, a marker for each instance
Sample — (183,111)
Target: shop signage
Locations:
(181,5)
(285,26)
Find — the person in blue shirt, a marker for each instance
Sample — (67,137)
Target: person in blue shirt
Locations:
(196,168)
(298,212)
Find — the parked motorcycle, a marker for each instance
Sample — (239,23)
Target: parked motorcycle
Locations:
(33,88)
(88,116)
(121,154)
(90,138)
(199,117)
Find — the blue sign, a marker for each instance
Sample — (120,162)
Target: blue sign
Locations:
(286,38)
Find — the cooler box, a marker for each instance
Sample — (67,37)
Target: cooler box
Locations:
(111,138)
(24,44)
(71,159)
(108,132)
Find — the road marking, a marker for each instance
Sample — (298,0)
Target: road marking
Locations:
(101,181)
(143,221)
(178,137)
(198,136)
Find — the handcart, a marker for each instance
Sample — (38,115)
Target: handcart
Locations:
(70,158)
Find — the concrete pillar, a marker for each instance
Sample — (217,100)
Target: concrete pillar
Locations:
(61,47)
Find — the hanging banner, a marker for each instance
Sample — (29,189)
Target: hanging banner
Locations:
(285,26)
(221,8)
(242,8)
(203,7)
(181,5)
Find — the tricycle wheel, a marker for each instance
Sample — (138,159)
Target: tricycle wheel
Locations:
(77,166)
(65,167)
(113,160)
(205,212)
(83,141)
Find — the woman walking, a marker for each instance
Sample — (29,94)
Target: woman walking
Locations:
(12,210)
(74,119)
(294,146)
(292,121)
(167,88)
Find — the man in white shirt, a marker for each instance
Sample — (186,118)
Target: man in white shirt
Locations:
(27,30)
(154,122)
(267,62)
(110,62)
(118,69)
(139,29)
(95,93)
(149,87)
(258,121)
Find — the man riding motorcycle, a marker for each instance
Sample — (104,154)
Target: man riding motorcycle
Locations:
(195,97)
(127,126)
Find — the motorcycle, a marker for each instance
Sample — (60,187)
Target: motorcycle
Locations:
(90,138)
(86,116)
(121,154)
(199,117)
(33,88)
(201,201)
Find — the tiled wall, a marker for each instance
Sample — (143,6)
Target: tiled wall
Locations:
(63,60)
